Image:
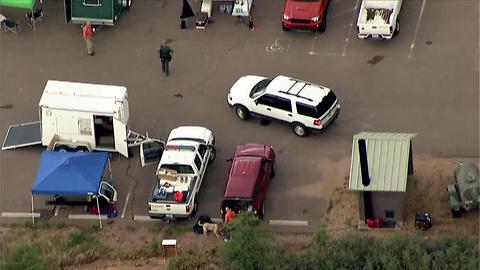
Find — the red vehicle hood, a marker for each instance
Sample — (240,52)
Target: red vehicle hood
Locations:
(302,9)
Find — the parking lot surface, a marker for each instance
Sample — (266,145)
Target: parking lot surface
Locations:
(423,81)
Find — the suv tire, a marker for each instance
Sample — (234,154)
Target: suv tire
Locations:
(242,112)
(213,154)
(274,168)
(299,129)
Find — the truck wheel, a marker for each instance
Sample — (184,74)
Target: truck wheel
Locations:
(274,168)
(242,112)
(299,129)
(456,213)
(81,149)
(284,28)
(397,27)
(213,154)
(62,148)
(195,208)
(261,213)
(127,3)
(323,27)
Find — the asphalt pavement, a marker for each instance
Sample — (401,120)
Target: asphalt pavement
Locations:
(423,81)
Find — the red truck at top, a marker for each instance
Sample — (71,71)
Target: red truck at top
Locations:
(253,166)
(305,14)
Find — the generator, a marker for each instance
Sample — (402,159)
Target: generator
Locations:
(423,221)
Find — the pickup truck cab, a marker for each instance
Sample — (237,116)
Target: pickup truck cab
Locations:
(180,172)
(305,14)
(253,166)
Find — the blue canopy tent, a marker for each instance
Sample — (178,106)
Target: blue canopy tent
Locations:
(70,173)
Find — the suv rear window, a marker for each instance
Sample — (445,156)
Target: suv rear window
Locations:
(326,103)
(307,110)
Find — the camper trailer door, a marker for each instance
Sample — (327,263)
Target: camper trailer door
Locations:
(120,131)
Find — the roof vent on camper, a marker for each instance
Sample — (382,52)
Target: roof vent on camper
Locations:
(362,150)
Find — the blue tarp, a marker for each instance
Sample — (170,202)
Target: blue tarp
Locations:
(70,173)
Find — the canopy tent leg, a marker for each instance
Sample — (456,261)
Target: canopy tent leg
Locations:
(110,170)
(99,216)
(33,215)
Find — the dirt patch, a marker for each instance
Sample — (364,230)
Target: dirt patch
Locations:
(427,192)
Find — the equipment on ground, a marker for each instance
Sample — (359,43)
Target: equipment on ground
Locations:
(465,192)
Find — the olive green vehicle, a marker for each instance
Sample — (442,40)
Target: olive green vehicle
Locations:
(465,192)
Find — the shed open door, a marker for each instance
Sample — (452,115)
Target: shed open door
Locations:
(120,131)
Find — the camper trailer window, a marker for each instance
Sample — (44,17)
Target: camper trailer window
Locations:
(91,2)
(85,126)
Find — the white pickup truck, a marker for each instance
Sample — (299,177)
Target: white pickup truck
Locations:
(379,18)
(180,173)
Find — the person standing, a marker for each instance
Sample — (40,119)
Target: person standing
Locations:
(165,54)
(229,215)
(87,36)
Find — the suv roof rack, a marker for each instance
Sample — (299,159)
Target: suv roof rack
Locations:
(297,94)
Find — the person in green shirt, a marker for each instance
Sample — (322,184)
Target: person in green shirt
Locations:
(165,54)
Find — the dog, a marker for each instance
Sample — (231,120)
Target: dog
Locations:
(209,227)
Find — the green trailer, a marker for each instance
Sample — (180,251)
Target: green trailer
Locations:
(98,12)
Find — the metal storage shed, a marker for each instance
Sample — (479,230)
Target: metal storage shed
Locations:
(380,166)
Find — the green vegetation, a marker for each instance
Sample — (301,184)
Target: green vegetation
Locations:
(79,247)
(190,260)
(251,246)
(398,252)
(26,255)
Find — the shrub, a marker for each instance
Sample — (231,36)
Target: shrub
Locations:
(79,246)
(251,246)
(25,255)
(189,260)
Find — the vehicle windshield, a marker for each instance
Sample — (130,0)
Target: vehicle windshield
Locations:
(259,88)
(326,103)
(179,168)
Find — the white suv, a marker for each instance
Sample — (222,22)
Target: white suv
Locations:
(306,106)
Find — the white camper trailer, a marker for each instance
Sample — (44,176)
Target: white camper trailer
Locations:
(78,117)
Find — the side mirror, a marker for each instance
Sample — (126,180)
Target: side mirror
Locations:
(256,101)
(229,159)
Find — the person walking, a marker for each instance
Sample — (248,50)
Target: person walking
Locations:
(165,54)
(87,32)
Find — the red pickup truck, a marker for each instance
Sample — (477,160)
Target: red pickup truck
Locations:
(305,14)
(253,166)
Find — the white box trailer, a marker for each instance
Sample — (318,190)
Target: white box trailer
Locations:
(379,18)
(78,117)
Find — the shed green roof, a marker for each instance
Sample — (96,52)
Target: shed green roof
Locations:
(26,4)
(388,157)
